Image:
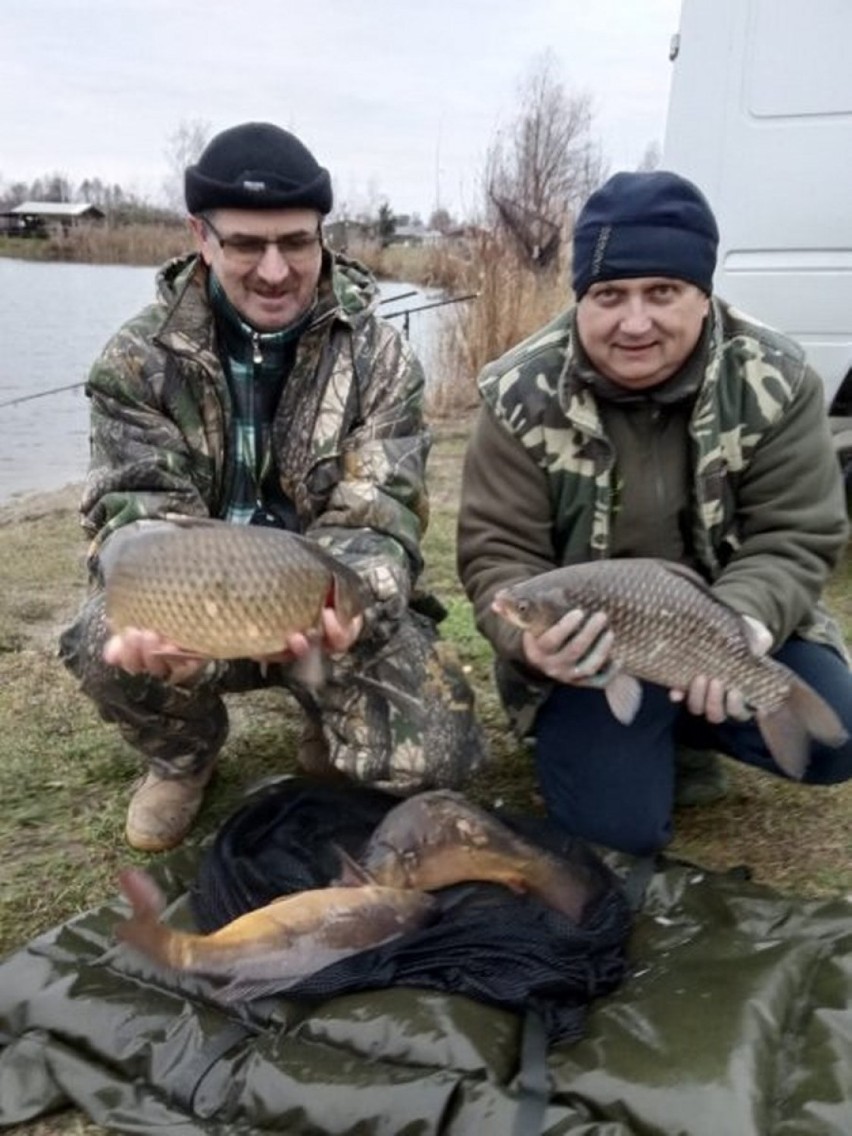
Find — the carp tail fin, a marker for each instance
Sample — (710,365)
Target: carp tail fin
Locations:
(143,930)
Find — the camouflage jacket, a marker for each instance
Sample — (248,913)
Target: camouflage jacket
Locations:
(541,486)
(348,435)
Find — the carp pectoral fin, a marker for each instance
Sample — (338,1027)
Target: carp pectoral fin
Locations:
(143,930)
(515,883)
(352,873)
(143,893)
(310,668)
(624,695)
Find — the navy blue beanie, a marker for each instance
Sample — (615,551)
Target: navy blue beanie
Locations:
(257,166)
(645,224)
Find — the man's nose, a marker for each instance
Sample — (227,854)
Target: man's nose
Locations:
(272,265)
(636,316)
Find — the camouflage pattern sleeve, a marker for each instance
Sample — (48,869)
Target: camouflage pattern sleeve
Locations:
(792,524)
(378,510)
(505,525)
(141,465)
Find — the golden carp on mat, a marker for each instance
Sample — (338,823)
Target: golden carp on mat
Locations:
(438,838)
(275,946)
(668,628)
(220,590)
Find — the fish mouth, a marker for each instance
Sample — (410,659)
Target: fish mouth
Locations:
(501,605)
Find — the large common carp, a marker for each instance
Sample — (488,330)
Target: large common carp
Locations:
(438,838)
(669,628)
(220,590)
(275,946)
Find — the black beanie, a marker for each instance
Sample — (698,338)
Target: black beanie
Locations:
(257,166)
(645,224)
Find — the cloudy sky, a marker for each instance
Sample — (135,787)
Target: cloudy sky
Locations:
(400,100)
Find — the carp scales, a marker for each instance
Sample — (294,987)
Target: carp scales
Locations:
(275,946)
(669,628)
(438,838)
(220,590)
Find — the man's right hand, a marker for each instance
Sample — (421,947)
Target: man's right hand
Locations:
(576,650)
(145,652)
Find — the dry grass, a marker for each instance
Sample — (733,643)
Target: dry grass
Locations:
(105,244)
(514,300)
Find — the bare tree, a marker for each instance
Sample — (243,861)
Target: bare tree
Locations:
(441,219)
(651,158)
(539,172)
(56,187)
(183,149)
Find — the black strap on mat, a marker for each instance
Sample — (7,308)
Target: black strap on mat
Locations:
(533,1078)
(635,883)
(195,1070)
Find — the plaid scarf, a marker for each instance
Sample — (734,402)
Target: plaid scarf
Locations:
(257,365)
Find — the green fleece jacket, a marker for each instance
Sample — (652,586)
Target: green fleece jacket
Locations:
(542,483)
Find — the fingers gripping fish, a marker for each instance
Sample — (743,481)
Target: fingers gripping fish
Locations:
(669,628)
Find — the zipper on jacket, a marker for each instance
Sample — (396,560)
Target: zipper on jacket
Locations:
(256,353)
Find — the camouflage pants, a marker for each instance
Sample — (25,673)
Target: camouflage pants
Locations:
(399,716)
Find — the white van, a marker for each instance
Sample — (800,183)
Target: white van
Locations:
(760,118)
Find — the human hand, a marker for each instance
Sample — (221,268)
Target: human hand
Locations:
(336,636)
(709,697)
(139,651)
(576,650)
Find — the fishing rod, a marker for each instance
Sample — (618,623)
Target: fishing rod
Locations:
(399,296)
(422,308)
(41,394)
(388,315)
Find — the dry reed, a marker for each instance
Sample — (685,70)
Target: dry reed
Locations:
(514,299)
(120,244)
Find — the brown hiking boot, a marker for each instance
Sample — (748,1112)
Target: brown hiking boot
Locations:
(162,809)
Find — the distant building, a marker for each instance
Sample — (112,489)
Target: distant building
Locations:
(41,218)
(413,235)
(339,235)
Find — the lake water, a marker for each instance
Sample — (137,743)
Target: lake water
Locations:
(54,320)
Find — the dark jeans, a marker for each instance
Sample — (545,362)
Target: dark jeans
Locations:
(614,784)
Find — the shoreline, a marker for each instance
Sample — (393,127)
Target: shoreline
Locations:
(30,504)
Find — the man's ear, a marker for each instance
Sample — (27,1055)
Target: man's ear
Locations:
(199,237)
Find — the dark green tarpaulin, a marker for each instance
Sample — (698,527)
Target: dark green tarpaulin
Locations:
(737,1019)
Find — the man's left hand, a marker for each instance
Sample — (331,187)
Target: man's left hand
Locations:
(710,698)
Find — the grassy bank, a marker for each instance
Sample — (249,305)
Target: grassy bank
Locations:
(64,775)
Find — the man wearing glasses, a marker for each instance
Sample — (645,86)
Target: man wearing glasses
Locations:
(262,388)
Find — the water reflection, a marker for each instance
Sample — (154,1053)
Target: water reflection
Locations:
(54,320)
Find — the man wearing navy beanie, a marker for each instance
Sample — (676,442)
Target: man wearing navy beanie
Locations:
(651,419)
(263,388)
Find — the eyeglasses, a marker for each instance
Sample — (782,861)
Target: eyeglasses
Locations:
(243,250)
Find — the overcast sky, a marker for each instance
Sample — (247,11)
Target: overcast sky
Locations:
(400,100)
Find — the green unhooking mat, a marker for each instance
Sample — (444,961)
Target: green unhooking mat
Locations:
(735,1017)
